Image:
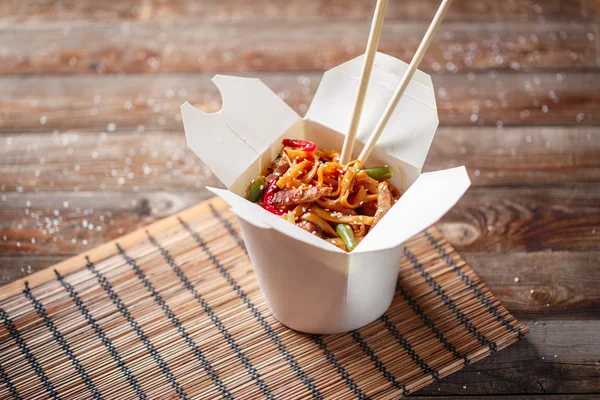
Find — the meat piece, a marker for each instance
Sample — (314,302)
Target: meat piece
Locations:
(288,197)
(384,202)
(280,166)
(369,209)
(311,227)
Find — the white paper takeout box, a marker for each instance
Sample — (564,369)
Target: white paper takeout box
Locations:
(309,284)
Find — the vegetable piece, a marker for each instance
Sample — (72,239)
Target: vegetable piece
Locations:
(379,173)
(346,233)
(303,145)
(267,198)
(256,188)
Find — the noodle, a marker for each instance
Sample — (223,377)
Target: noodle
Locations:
(340,218)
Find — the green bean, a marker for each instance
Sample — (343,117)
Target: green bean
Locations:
(347,234)
(255,189)
(379,173)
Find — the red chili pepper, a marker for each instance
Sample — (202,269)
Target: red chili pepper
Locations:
(268,196)
(303,145)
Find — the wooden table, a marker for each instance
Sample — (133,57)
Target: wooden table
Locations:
(92,144)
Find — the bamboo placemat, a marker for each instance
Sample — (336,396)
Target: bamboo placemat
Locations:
(174,310)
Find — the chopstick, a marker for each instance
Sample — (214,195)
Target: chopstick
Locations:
(412,67)
(372,43)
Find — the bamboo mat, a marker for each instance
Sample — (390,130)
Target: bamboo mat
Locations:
(174,311)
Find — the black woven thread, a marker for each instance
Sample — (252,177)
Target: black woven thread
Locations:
(339,368)
(431,325)
(61,341)
(252,371)
(14,333)
(114,297)
(449,303)
(102,336)
(311,386)
(378,363)
(229,228)
(180,328)
(473,286)
(411,352)
(11,387)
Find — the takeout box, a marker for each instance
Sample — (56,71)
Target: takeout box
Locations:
(309,284)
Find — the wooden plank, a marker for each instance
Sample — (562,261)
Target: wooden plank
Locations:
(151,102)
(485,219)
(557,357)
(542,284)
(286,45)
(18,267)
(59,223)
(518,156)
(526,218)
(476,10)
(92,161)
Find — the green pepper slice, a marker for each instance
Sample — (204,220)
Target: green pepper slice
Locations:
(379,173)
(347,234)
(256,189)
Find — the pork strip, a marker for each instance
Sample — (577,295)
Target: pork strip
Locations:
(311,227)
(280,166)
(384,202)
(294,196)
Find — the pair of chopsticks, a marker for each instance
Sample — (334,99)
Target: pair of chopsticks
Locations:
(372,43)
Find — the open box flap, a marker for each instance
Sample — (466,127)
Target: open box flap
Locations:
(425,202)
(251,119)
(258,216)
(411,128)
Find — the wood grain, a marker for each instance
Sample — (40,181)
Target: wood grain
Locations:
(152,102)
(158,160)
(478,10)
(287,45)
(43,223)
(545,284)
(519,156)
(538,218)
(13,268)
(557,357)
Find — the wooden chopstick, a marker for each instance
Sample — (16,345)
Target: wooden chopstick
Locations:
(373,42)
(414,64)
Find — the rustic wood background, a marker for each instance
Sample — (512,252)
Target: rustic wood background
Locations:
(92,144)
